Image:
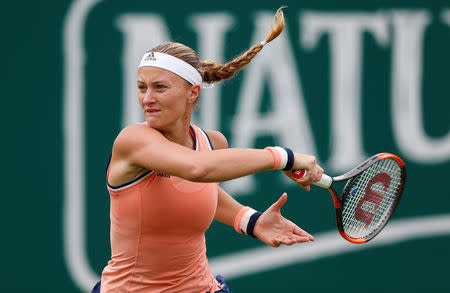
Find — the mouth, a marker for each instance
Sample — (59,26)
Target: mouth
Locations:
(152,110)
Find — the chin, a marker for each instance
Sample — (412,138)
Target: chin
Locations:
(154,124)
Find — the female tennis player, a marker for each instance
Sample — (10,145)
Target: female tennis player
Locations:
(163,178)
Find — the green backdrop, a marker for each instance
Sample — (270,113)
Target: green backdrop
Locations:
(345,80)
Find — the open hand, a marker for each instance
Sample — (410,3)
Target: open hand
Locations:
(273,229)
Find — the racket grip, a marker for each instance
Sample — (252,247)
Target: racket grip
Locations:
(324,182)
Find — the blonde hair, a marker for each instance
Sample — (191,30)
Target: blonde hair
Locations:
(208,69)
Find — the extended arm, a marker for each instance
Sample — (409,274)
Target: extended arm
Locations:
(140,146)
(147,148)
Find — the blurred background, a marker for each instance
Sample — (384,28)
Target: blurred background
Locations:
(345,80)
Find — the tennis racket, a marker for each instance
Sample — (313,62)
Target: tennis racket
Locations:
(370,196)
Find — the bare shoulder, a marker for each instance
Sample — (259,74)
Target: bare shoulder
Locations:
(123,167)
(218,140)
(135,135)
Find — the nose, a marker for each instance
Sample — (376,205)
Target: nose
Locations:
(148,97)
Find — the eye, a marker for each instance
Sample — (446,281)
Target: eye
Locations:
(142,87)
(160,86)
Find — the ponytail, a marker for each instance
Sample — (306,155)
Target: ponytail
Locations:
(212,72)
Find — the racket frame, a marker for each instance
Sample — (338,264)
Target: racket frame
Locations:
(351,176)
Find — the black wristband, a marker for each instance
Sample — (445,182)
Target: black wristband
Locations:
(252,223)
(290,160)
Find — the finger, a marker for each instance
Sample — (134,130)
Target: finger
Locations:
(300,232)
(305,181)
(305,187)
(289,240)
(280,202)
(318,174)
(301,239)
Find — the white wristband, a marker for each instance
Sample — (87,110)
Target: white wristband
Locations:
(245,219)
(283,157)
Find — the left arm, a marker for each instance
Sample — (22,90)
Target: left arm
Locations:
(271,227)
(227,206)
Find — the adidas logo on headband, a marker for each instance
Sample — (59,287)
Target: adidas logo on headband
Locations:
(150,57)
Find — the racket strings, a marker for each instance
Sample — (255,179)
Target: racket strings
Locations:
(370,198)
(371,205)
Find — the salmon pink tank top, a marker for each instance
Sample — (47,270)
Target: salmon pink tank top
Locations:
(158,224)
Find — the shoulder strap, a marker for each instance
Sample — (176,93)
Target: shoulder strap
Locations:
(202,139)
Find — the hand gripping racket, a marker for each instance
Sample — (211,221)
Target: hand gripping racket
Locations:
(370,196)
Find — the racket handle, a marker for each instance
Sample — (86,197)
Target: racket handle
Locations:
(324,182)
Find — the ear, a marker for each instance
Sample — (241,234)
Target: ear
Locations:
(194,93)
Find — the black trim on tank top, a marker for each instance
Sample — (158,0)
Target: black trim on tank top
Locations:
(194,136)
(127,183)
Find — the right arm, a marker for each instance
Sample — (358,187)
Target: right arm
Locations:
(140,146)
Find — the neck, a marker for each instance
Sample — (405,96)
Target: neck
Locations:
(183,138)
(180,133)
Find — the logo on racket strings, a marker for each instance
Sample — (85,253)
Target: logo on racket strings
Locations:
(353,191)
(367,206)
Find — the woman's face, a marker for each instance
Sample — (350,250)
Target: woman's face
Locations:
(166,98)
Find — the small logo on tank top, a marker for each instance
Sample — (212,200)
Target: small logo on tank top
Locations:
(162,175)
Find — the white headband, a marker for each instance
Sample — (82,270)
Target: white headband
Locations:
(175,65)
